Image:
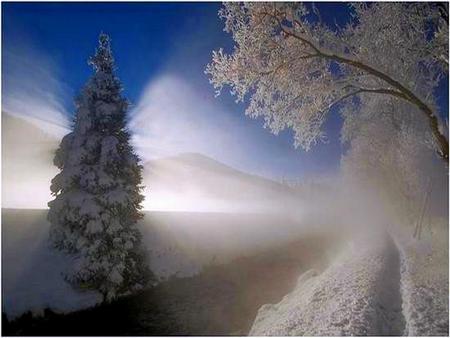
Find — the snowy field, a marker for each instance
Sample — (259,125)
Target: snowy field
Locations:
(178,243)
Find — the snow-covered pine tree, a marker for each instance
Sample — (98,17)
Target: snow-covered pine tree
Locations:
(98,191)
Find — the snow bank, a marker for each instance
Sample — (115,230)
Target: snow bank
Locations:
(380,285)
(357,295)
(424,280)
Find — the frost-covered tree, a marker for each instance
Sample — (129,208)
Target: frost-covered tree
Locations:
(294,68)
(98,191)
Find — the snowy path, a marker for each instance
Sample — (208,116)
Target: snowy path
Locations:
(359,294)
(391,318)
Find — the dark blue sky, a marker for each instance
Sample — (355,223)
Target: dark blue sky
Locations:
(151,40)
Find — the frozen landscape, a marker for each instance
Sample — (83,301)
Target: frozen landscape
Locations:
(214,169)
(179,243)
(378,284)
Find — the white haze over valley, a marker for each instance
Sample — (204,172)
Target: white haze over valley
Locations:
(194,152)
(183,182)
(171,118)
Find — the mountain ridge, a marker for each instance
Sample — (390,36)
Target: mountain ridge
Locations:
(185,182)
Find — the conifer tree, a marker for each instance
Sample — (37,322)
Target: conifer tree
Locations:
(98,190)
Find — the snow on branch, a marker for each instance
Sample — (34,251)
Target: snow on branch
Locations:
(294,69)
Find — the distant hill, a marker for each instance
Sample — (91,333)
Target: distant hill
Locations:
(27,163)
(186,182)
(192,181)
(22,139)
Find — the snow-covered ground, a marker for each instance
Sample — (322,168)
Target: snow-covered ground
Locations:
(425,281)
(31,271)
(380,283)
(373,288)
(178,243)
